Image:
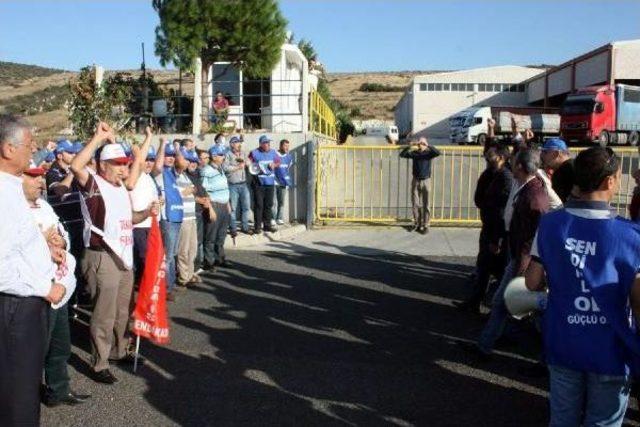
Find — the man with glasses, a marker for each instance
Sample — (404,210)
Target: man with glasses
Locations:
(421,154)
(589,260)
(27,284)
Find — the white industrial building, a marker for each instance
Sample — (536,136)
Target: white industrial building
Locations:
(432,99)
(617,62)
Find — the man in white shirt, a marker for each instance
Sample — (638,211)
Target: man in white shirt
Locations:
(143,194)
(56,377)
(26,283)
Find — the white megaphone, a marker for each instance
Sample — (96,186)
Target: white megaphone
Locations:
(520,301)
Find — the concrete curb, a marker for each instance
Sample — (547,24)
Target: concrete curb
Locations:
(284,232)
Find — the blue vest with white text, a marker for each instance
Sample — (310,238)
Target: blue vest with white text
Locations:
(590,265)
(174,209)
(283,178)
(266,176)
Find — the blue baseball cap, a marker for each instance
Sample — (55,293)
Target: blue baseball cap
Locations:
(127,148)
(216,150)
(50,157)
(169,150)
(234,140)
(65,146)
(264,139)
(554,144)
(190,156)
(78,146)
(151,155)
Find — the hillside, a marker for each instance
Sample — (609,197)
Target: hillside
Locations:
(345,87)
(41,93)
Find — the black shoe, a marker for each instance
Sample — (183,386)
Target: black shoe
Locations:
(467,307)
(128,360)
(104,377)
(257,231)
(69,399)
(248,232)
(223,264)
(424,230)
(208,268)
(270,229)
(233,234)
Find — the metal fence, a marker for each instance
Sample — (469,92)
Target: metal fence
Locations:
(372,184)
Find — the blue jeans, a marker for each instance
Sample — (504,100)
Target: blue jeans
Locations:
(582,398)
(239,198)
(170,239)
(278,203)
(499,314)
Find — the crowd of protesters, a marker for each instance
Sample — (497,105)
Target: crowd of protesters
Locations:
(545,217)
(79,219)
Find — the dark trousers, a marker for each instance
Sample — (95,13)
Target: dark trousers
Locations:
(215,234)
(263,195)
(140,236)
(487,264)
(23,338)
(56,376)
(200,229)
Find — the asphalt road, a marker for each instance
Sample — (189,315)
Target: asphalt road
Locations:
(306,337)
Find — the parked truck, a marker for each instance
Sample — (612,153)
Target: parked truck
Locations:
(471,126)
(603,115)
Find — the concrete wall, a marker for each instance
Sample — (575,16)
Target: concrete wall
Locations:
(592,70)
(626,60)
(535,90)
(560,81)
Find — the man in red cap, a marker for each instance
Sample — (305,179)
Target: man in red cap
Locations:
(56,377)
(108,238)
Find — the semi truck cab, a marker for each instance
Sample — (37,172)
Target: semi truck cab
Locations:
(589,115)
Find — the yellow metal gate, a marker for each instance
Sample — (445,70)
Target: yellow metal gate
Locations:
(373,184)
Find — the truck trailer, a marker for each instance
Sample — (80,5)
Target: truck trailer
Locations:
(471,126)
(602,115)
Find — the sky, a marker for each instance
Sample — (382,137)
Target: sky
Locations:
(349,35)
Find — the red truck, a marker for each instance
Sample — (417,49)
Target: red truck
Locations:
(604,115)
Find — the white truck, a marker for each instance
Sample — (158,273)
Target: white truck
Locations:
(470,126)
(390,132)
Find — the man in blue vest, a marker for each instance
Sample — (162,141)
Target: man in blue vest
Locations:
(266,161)
(283,181)
(172,214)
(591,260)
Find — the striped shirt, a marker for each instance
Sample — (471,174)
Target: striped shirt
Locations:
(188,202)
(214,181)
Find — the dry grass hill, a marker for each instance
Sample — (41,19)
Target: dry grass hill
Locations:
(42,93)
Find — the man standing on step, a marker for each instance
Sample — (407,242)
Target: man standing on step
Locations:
(421,153)
(265,160)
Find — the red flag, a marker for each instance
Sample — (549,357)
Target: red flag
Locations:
(150,315)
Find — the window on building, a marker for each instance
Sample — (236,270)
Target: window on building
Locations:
(445,86)
(438,86)
(513,88)
(469,87)
(454,87)
(481,87)
(423,87)
(520,88)
(431,87)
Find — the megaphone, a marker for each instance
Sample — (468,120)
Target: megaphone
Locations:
(254,169)
(520,301)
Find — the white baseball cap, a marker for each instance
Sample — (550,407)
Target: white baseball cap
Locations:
(114,153)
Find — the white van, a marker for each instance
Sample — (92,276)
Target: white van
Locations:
(390,132)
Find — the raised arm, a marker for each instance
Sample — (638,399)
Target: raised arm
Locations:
(181,163)
(140,155)
(82,159)
(159,164)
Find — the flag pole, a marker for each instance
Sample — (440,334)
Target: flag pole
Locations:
(135,360)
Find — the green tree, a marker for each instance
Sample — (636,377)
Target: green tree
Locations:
(248,33)
(308,50)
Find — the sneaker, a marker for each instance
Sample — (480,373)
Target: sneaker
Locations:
(195,279)
(248,232)
(280,222)
(273,222)
(424,230)
(271,229)
(198,272)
